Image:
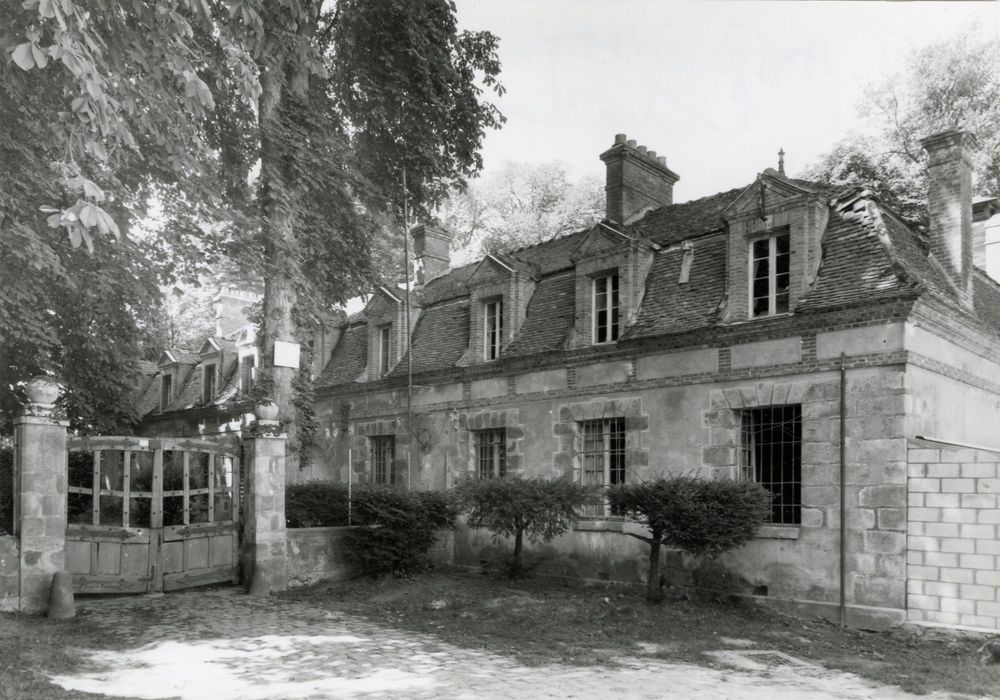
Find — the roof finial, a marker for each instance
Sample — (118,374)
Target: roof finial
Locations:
(781,161)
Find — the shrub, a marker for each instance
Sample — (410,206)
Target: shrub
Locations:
(398,528)
(316,504)
(514,507)
(702,517)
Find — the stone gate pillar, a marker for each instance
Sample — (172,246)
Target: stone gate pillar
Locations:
(263,555)
(40,492)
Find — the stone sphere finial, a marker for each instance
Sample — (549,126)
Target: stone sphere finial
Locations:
(42,389)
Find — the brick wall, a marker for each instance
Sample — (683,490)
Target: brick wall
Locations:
(954,553)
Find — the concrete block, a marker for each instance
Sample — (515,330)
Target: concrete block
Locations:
(988,608)
(933,499)
(970,591)
(978,500)
(942,559)
(956,605)
(891,518)
(926,544)
(915,528)
(926,486)
(923,573)
(914,557)
(941,529)
(958,485)
(989,546)
(927,515)
(944,590)
(979,470)
(915,500)
(879,542)
(988,485)
(988,578)
(957,544)
(958,515)
(978,531)
(916,469)
(957,575)
(946,470)
(923,455)
(958,455)
(943,617)
(977,561)
(923,602)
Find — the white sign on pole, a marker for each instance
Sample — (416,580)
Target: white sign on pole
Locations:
(286,354)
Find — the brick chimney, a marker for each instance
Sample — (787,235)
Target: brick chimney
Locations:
(636,180)
(949,201)
(431,252)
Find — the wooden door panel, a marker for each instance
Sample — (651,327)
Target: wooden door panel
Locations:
(221,550)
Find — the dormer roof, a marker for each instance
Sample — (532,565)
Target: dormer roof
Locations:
(603,238)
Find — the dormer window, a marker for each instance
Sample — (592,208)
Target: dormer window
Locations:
(207,383)
(492,329)
(166,390)
(769,274)
(247,372)
(384,348)
(605,306)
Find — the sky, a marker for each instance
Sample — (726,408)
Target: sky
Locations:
(716,87)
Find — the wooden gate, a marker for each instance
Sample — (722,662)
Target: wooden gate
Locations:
(151,514)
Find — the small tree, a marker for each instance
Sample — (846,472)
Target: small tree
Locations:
(697,516)
(398,528)
(515,507)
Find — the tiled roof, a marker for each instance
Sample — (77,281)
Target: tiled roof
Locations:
(677,222)
(440,338)
(349,359)
(671,306)
(549,318)
(869,255)
(986,298)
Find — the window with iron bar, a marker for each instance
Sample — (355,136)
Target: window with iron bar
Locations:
(491,453)
(492,329)
(383,451)
(605,305)
(771,455)
(769,274)
(602,457)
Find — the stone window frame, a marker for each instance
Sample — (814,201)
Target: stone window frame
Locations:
(508,419)
(771,235)
(567,460)
(361,457)
(492,441)
(379,446)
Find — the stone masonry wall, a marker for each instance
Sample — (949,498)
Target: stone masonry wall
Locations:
(953,565)
(10,574)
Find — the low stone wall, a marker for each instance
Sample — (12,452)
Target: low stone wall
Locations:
(10,574)
(317,554)
(953,567)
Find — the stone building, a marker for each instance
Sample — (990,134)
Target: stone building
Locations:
(789,332)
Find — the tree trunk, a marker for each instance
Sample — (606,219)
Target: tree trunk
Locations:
(654,593)
(283,78)
(515,564)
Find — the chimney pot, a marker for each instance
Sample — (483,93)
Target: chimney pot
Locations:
(636,179)
(620,138)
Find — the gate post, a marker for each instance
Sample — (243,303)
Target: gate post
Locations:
(40,492)
(264,566)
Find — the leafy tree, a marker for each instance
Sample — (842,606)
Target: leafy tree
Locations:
(517,507)
(699,516)
(521,204)
(954,83)
(331,103)
(397,529)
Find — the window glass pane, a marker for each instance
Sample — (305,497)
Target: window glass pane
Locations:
(112,470)
(111,509)
(198,508)
(139,511)
(198,470)
(173,470)
(80,509)
(81,469)
(173,510)
(141,472)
